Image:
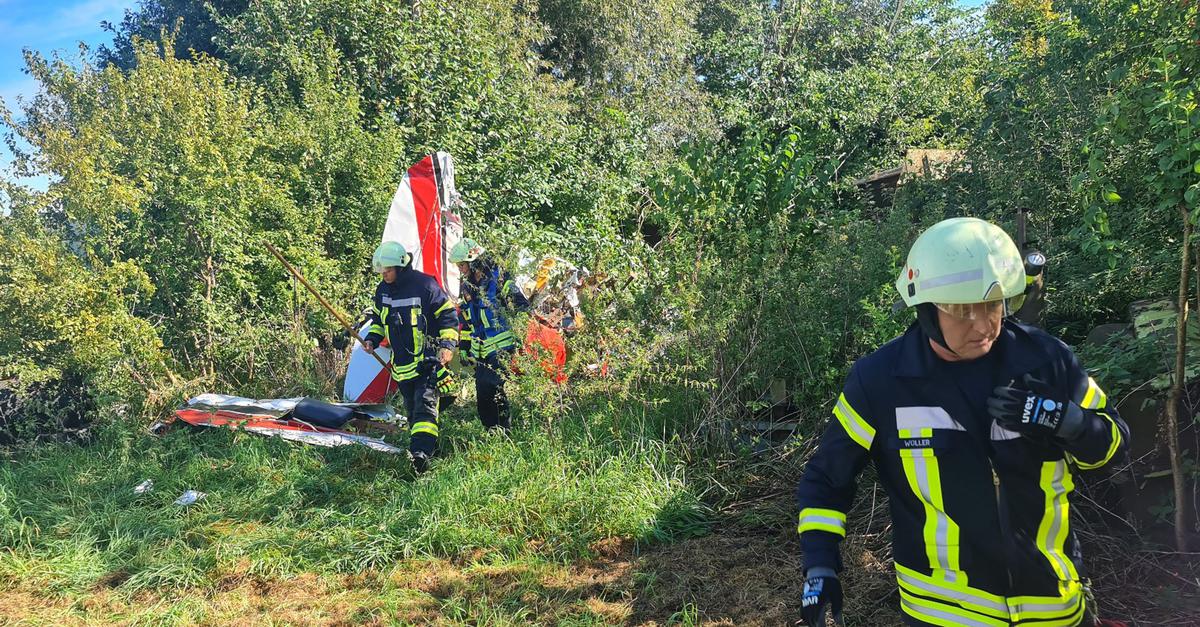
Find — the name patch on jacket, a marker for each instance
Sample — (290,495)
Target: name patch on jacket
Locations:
(923,427)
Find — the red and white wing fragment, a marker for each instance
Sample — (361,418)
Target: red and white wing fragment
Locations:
(367,381)
(452,227)
(420,214)
(279,407)
(274,426)
(420,219)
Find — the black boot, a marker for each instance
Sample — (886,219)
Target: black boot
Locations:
(420,462)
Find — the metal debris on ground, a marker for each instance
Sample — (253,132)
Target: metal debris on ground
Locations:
(189,497)
(144,487)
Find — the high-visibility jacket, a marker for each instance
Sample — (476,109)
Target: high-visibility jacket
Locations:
(487,330)
(980,515)
(406,312)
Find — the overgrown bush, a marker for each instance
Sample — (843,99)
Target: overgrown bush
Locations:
(70,329)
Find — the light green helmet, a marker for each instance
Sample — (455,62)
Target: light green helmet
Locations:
(466,250)
(389,254)
(962,261)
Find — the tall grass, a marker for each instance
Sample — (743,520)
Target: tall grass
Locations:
(69,518)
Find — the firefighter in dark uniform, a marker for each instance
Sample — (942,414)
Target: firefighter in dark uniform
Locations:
(412,312)
(487,337)
(976,426)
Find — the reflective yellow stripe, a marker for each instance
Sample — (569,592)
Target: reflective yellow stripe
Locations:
(424,427)
(416,332)
(940,532)
(444,307)
(939,602)
(404,372)
(855,426)
(1114,444)
(817,519)
(1052,531)
(1065,609)
(504,335)
(448,334)
(383,313)
(944,614)
(1095,398)
(464,335)
(960,594)
(377,329)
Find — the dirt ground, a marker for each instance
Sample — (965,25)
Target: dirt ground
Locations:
(732,577)
(744,573)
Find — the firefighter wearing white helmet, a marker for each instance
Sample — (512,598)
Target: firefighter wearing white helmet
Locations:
(487,337)
(976,425)
(972,272)
(417,318)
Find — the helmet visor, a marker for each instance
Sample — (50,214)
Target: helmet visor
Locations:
(975,311)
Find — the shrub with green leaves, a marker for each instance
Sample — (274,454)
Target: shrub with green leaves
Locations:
(63,316)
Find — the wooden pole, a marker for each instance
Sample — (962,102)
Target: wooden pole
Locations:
(324,303)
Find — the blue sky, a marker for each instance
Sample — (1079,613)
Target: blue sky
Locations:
(59,25)
(47,26)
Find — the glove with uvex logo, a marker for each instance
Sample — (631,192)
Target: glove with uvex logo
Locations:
(822,594)
(1032,408)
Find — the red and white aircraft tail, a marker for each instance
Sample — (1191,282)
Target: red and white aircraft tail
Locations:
(422,219)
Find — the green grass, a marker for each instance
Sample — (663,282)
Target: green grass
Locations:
(69,519)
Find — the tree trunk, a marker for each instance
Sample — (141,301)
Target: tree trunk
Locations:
(209,281)
(1175,398)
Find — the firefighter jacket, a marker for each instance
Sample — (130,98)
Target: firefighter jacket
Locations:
(981,532)
(408,311)
(486,329)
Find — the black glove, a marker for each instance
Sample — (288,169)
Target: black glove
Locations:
(1033,408)
(428,366)
(822,591)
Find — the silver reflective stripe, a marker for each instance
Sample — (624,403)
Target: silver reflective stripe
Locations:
(1000,433)
(925,418)
(852,422)
(809,519)
(941,521)
(953,619)
(1058,606)
(951,593)
(402,302)
(1056,520)
(952,279)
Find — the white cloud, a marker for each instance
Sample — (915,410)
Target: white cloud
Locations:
(64,26)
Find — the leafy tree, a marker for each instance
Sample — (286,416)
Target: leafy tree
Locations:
(1147,141)
(1048,94)
(164,168)
(635,57)
(65,316)
(191,23)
